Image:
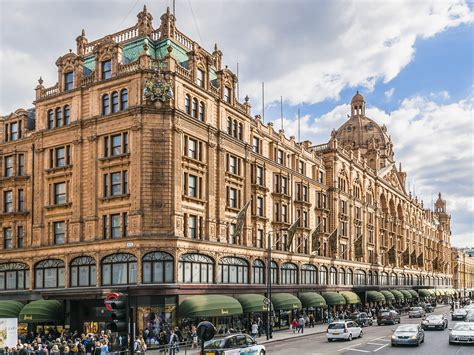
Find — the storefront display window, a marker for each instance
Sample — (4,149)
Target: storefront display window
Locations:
(157,268)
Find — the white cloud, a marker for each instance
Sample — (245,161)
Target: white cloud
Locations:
(389,93)
(434,142)
(443,95)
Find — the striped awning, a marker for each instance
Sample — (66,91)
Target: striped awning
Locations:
(312,299)
(406,294)
(389,297)
(398,295)
(375,296)
(351,297)
(333,298)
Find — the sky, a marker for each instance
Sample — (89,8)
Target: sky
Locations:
(412,61)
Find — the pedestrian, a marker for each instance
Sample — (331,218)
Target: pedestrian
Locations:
(294,325)
(311,320)
(194,337)
(173,343)
(301,324)
(254,330)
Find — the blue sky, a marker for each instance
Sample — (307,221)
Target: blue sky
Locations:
(415,69)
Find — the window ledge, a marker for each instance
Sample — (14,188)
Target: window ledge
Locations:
(232,209)
(115,197)
(260,218)
(194,199)
(15,178)
(58,206)
(14,213)
(193,160)
(115,157)
(59,168)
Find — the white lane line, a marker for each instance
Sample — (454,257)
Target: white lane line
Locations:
(378,344)
(362,351)
(383,346)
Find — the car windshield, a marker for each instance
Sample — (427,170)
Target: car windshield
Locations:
(385,313)
(407,328)
(434,317)
(464,327)
(336,326)
(214,344)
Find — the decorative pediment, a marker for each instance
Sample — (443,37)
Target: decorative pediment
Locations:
(106,48)
(390,174)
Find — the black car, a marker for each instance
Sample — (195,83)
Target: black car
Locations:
(429,308)
(362,319)
(388,316)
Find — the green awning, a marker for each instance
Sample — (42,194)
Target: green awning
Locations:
(42,311)
(285,301)
(438,293)
(442,292)
(333,298)
(398,295)
(389,297)
(406,294)
(252,302)
(209,306)
(432,291)
(351,297)
(312,299)
(424,293)
(375,296)
(10,309)
(413,293)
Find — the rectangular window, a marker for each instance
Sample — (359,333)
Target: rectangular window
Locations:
(68,81)
(260,238)
(276,212)
(259,176)
(124,224)
(232,164)
(116,184)
(280,157)
(232,239)
(115,226)
(227,94)
(21,164)
(192,186)
(305,193)
(200,78)
(256,145)
(59,193)
(60,157)
(192,149)
(260,209)
(192,227)
(8,201)
(284,185)
(106,69)
(20,235)
(21,200)
(305,219)
(8,171)
(7,238)
(301,167)
(59,233)
(14,131)
(117,145)
(284,214)
(232,198)
(320,177)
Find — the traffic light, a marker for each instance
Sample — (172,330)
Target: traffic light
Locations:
(116,303)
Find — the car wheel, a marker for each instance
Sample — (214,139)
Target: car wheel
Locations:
(262,352)
(329,340)
(350,337)
(361,334)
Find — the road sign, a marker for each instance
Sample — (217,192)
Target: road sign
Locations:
(266,301)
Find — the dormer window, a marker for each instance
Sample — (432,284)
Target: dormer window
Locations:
(68,81)
(106,69)
(14,133)
(227,94)
(200,78)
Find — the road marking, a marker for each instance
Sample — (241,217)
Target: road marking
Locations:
(362,351)
(376,344)
(383,346)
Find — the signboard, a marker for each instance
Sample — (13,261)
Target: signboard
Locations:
(8,332)
(109,299)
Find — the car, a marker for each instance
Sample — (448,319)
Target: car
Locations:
(462,332)
(362,319)
(236,343)
(388,316)
(435,321)
(416,312)
(459,314)
(469,317)
(428,308)
(346,330)
(408,334)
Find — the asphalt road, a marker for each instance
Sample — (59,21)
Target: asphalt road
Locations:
(376,339)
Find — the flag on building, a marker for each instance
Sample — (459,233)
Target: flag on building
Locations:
(239,226)
(419,260)
(315,242)
(391,255)
(435,263)
(291,233)
(359,248)
(333,242)
(406,257)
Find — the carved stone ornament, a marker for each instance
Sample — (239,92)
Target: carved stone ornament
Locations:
(157,88)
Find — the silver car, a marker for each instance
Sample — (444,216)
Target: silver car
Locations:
(416,312)
(435,322)
(462,332)
(408,334)
(459,314)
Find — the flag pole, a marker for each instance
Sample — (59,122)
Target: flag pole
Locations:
(281,111)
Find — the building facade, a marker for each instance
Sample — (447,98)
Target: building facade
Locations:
(463,272)
(129,174)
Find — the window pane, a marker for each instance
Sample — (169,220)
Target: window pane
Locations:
(196,273)
(61,277)
(93,275)
(187,272)
(74,276)
(2,280)
(158,272)
(147,272)
(39,279)
(106,274)
(11,280)
(50,278)
(133,273)
(168,271)
(84,275)
(119,274)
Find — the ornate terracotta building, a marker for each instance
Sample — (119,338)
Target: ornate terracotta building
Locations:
(129,173)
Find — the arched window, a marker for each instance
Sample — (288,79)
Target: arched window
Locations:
(309,274)
(115,102)
(14,276)
(350,277)
(332,276)
(157,268)
(195,268)
(67,115)
(274,272)
(289,274)
(384,278)
(195,108)
(360,277)
(258,272)
(59,117)
(119,269)
(233,270)
(123,99)
(376,278)
(187,104)
(105,104)
(323,275)
(49,274)
(202,111)
(83,272)
(370,278)
(342,276)
(50,119)
(393,279)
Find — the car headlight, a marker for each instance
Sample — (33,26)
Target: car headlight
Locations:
(424,322)
(414,337)
(394,337)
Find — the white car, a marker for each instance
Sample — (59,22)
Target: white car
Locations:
(346,330)
(462,332)
(238,344)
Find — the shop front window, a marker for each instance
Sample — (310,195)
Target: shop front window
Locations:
(83,272)
(157,268)
(195,268)
(49,274)
(233,270)
(14,276)
(309,274)
(258,272)
(119,269)
(323,275)
(289,274)
(332,276)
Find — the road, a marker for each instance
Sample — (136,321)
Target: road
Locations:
(376,339)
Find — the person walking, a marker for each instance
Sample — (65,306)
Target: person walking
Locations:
(301,324)
(311,320)
(254,331)
(294,325)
